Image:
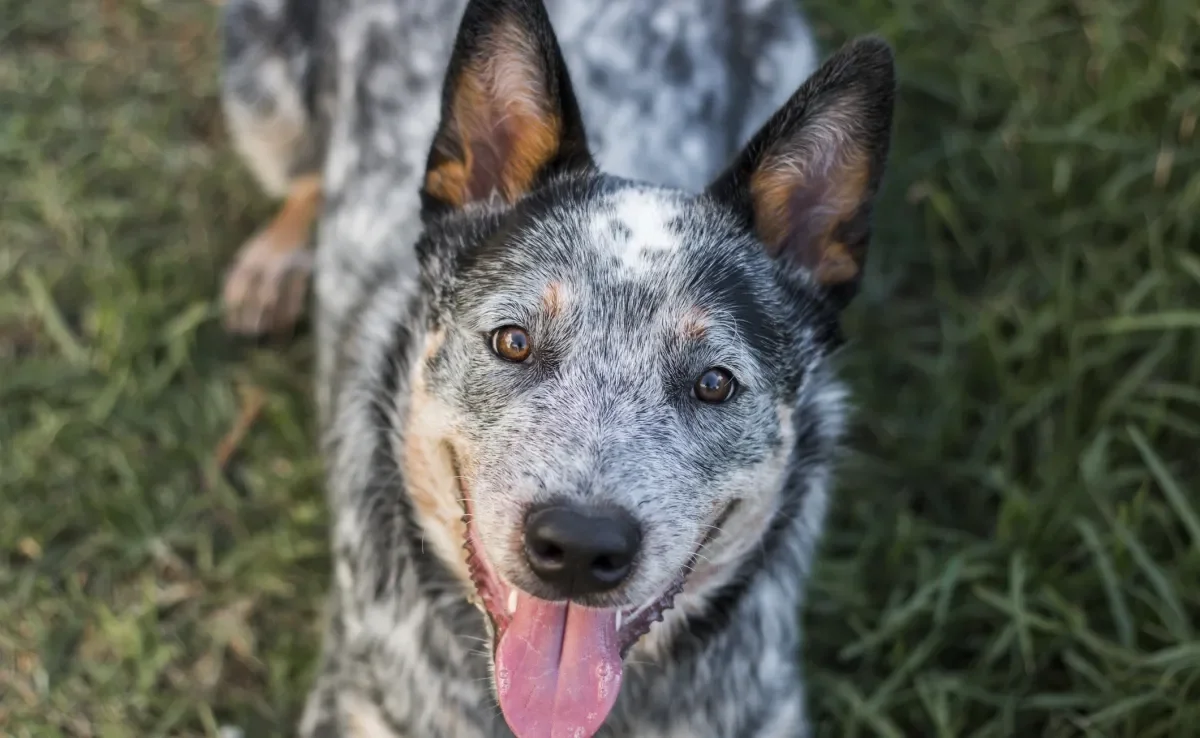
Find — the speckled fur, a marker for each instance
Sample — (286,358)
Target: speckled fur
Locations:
(629,289)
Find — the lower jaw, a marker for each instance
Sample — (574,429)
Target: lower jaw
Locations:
(576,653)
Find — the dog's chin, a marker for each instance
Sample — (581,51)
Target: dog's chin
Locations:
(557,665)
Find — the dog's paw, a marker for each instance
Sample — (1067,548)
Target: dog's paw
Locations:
(265,291)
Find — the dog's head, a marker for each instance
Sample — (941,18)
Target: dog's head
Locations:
(620,382)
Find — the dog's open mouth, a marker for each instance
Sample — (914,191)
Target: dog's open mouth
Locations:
(558,665)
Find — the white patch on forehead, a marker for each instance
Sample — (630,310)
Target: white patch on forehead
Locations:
(633,225)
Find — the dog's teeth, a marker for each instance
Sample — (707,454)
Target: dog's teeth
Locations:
(618,620)
(512,602)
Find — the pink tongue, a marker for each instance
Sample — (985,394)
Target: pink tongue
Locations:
(558,669)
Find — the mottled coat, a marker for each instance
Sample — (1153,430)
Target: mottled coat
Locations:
(475,178)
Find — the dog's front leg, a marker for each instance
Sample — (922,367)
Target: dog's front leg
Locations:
(266,288)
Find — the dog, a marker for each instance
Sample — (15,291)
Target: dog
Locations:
(577,313)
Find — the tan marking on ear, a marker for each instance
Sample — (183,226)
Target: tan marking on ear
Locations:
(538,131)
(536,143)
(771,190)
(448,183)
(837,266)
(553,299)
(694,324)
(429,473)
(842,173)
(500,121)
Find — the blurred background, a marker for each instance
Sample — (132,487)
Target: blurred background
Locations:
(1016,544)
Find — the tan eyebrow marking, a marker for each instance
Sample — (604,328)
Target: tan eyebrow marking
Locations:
(694,324)
(553,299)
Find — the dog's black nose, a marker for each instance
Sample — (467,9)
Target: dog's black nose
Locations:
(579,551)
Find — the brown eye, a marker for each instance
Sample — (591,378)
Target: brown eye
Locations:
(511,343)
(714,385)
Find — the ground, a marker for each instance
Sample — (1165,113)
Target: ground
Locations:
(1016,546)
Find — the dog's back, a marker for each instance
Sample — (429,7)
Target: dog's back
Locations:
(351,89)
(670,90)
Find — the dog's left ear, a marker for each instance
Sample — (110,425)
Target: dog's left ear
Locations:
(806,180)
(509,115)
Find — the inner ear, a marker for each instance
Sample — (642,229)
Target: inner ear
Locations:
(509,115)
(807,179)
(809,194)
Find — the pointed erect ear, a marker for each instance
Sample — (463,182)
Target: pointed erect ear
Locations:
(806,180)
(509,116)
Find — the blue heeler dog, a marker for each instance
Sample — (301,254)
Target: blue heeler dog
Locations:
(576,377)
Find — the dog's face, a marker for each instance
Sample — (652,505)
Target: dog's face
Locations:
(625,354)
(619,379)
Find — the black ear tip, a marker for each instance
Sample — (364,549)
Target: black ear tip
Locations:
(872,45)
(868,52)
(478,15)
(867,60)
(519,8)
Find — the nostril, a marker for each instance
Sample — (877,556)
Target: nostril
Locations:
(610,568)
(547,552)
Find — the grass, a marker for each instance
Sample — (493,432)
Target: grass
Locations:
(1016,547)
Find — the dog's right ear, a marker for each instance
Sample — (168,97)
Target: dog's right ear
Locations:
(509,115)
